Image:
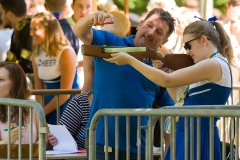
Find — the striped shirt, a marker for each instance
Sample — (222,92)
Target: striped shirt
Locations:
(75,117)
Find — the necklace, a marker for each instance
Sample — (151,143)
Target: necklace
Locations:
(214,54)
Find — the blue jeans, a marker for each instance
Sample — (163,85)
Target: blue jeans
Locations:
(100,154)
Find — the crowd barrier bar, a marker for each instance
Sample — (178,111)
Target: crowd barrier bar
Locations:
(43,129)
(187,111)
(233,129)
(236,87)
(54,92)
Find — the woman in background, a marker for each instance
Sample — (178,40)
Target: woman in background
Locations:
(54,63)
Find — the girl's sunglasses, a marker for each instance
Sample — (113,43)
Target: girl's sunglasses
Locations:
(187,46)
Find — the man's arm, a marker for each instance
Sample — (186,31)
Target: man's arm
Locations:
(83,28)
(88,69)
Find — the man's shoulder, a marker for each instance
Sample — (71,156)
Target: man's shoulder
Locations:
(25,31)
(67,29)
(71,21)
(24,38)
(63,21)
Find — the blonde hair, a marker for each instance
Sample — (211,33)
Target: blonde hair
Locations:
(217,35)
(121,24)
(55,39)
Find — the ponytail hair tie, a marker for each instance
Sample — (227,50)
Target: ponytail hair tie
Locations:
(212,19)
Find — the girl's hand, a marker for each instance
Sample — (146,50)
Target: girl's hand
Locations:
(157,64)
(120,58)
(52,139)
(14,135)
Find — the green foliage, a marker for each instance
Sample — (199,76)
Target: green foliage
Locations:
(139,6)
(179,2)
(135,6)
(220,4)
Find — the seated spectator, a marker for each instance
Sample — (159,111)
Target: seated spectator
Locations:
(54,63)
(13,84)
(75,118)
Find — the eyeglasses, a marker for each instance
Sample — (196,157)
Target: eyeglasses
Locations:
(187,46)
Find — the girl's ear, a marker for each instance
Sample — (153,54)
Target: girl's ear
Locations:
(204,39)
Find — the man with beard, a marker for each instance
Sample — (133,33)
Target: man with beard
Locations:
(14,16)
(121,86)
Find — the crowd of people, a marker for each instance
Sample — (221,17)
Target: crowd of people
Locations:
(45,39)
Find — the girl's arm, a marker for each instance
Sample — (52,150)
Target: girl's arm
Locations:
(172,93)
(37,81)
(37,128)
(68,69)
(158,64)
(207,69)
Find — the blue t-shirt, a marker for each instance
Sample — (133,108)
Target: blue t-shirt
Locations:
(122,87)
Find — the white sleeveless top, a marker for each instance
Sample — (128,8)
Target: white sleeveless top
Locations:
(49,67)
(211,93)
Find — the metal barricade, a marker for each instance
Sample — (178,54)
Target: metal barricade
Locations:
(235,88)
(55,92)
(210,112)
(43,129)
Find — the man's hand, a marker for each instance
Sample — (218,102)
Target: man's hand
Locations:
(98,18)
